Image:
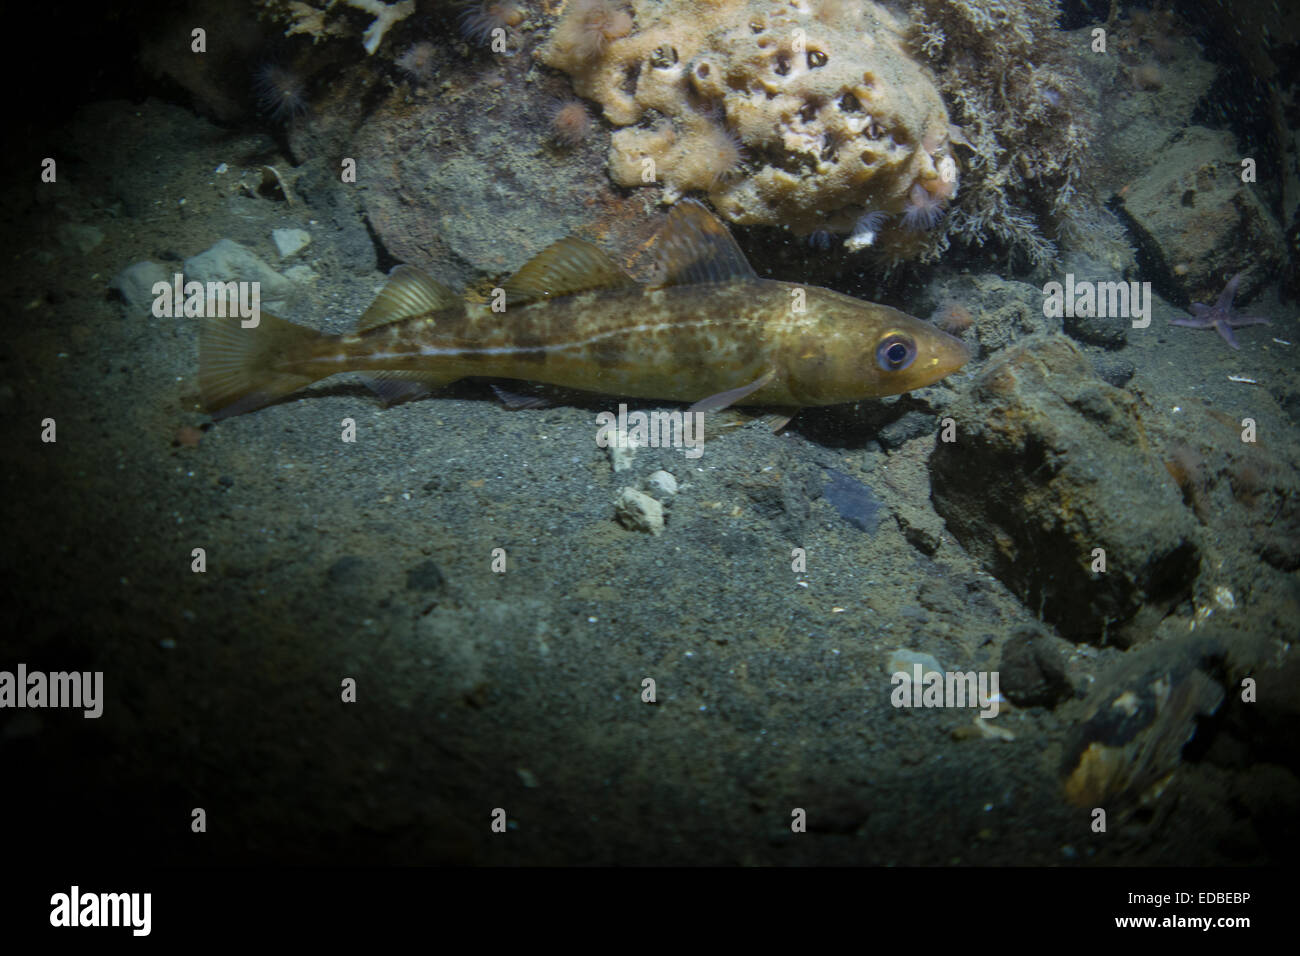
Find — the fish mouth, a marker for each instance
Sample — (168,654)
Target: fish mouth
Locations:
(948,354)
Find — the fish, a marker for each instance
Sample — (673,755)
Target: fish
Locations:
(705,329)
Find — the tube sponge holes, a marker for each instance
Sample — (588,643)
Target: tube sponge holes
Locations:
(843,121)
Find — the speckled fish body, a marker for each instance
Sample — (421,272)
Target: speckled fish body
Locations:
(710,327)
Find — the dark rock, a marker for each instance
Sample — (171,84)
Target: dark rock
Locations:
(856,503)
(779,498)
(1114,370)
(1110,332)
(1032,671)
(425,576)
(922,528)
(911,425)
(347,571)
(1050,463)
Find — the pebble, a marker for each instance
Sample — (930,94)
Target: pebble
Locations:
(77,238)
(903,660)
(621,449)
(663,482)
(135,284)
(290,242)
(637,511)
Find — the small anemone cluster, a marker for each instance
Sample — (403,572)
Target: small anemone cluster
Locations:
(926,203)
(480,20)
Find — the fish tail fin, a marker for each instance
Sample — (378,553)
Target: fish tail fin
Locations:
(241,369)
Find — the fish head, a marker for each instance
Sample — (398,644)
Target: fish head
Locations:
(853,349)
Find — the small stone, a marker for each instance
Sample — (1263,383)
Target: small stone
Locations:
(1113,370)
(289,242)
(1032,669)
(347,571)
(902,661)
(621,448)
(135,284)
(637,511)
(663,482)
(187,436)
(910,425)
(80,239)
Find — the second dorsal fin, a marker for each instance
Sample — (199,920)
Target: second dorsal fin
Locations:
(408,292)
(694,246)
(565,268)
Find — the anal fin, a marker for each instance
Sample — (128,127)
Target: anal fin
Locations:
(403,386)
(518,401)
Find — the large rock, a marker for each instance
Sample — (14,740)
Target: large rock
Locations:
(1200,223)
(1049,464)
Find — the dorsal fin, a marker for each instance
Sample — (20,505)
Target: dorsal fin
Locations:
(694,246)
(408,292)
(565,268)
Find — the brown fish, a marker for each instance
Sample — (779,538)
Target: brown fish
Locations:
(707,331)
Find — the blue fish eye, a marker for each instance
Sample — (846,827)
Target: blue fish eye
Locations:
(895,353)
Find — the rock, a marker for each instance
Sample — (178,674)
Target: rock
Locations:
(425,576)
(1192,210)
(621,450)
(903,429)
(300,274)
(662,482)
(922,528)
(290,242)
(348,571)
(1049,464)
(229,261)
(781,497)
(903,660)
(135,284)
(1004,311)
(637,511)
(492,197)
(1107,331)
(856,503)
(1113,370)
(1032,670)
(80,239)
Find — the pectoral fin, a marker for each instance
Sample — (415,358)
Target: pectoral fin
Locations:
(730,397)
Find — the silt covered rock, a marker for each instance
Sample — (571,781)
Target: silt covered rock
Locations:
(1196,217)
(1050,464)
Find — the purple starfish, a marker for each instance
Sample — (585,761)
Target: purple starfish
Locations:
(1220,315)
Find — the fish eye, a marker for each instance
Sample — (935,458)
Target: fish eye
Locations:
(895,353)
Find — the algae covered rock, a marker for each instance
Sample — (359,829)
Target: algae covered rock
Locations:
(804,115)
(1049,465)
